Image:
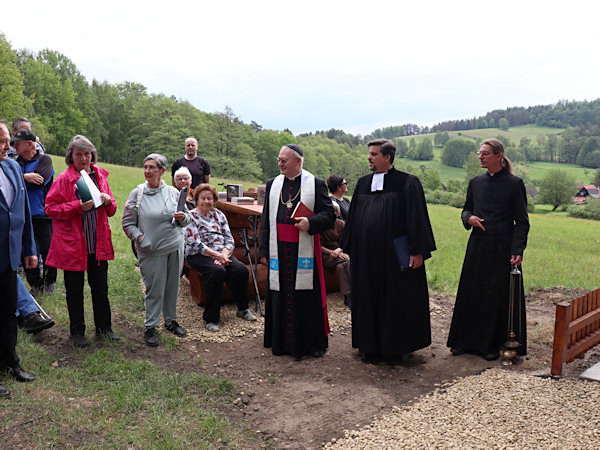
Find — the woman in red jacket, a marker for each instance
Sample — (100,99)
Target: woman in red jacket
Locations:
(81,239)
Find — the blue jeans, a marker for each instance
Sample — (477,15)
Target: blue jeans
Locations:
(25,303)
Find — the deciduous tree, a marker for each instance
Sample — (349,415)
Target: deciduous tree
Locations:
(557,188)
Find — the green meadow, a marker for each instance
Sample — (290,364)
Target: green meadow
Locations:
(536,169)
(106,396)
(514,133)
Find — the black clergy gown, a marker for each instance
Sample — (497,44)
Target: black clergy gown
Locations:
(480,319)
(390,307)
(295,319)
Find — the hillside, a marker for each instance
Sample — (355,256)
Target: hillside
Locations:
(513,133)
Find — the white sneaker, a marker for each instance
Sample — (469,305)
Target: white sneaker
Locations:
(246,315)
(211,326)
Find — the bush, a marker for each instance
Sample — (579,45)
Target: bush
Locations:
(589,211)
(445,198)
(530,204)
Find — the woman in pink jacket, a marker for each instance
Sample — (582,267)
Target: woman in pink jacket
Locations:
(81,239)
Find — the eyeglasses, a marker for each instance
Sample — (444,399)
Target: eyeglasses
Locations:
(484,154)
(345,182)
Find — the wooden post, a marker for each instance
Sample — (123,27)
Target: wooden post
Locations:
(561,337)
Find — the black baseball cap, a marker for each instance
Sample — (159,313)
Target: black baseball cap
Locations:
(23,135)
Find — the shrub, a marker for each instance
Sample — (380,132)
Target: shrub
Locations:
(589,211)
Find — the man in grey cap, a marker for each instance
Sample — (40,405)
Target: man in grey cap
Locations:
(38,174)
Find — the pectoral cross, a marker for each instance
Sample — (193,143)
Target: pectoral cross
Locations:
(289,203)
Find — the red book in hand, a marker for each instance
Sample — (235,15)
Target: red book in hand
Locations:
(301,210)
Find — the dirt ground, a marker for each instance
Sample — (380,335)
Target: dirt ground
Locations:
(304,404)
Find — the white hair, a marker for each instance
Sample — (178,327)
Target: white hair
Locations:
(182,171)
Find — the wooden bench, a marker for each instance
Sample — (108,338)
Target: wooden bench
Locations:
(576,329)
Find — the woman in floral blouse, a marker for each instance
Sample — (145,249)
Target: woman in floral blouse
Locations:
(208,247)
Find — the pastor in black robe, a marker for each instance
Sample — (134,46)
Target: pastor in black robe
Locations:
(295,319)
(390,307)
(480,319)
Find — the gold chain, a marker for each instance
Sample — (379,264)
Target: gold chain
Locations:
(290,201)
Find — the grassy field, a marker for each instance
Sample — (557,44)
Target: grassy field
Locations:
(536,169)
(558,251)
(514,133)
(98,397)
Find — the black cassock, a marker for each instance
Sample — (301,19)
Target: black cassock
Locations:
(295,319)
(390,307)
(480,319)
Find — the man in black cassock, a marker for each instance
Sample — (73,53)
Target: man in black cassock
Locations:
(296,303)
(496,209)
(390,306)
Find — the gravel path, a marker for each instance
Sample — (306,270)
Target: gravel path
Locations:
(233,328)
(499,408)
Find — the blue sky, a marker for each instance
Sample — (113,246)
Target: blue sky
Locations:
(313,65)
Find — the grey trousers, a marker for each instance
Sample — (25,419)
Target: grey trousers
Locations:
(161,277)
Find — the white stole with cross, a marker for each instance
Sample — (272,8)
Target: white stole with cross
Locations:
(306,244)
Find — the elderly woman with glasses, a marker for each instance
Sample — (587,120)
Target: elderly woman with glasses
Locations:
(183,179)
(209,249)
(152,220)
(81,238)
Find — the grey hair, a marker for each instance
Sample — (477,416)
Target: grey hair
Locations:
(161,161)
(80,142)
(182,171)
(17,121)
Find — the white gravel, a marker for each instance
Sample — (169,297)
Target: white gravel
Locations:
(499,408)
(189,315)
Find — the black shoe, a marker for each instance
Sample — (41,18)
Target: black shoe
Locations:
(19,374)
(348,300)
(492,355)
(151,337)
(33,323)
(4,392)
(176,329)
(79,340)
(49,289)
(108,335)
(317,353)
(370,358)
(457,351)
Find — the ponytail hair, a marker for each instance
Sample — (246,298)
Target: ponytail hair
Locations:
(498,147)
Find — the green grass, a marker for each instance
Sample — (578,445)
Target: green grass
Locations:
(561,251)
(106,400)
(513,133)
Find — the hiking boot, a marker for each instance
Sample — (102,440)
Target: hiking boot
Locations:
(33,323)
(79,340)
(151,337)
(107,335)
(176,329)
